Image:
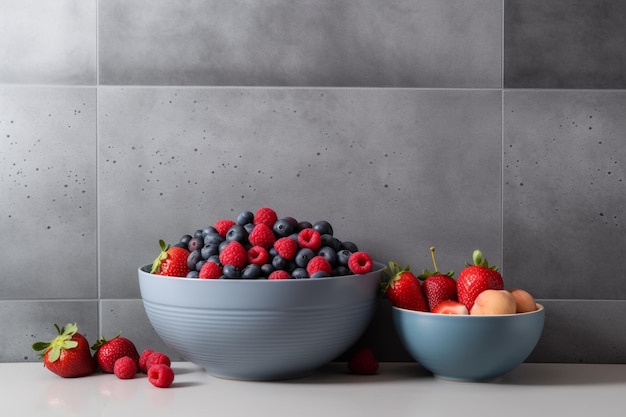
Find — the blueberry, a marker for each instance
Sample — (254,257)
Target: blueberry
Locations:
(195,244)
(245,217)
(330,240)
(237,233)
(180,245)
(278,262)
(341,270)
(208,230)
(198,233)
(215,259)
(213,239)
(231,272)
(251,271)
(248,227)
(209,250)
(199,264)
(192,274)
(320,274)
(223,245)
(303,257)
(193,258)
(323,227)
(329,253)
(185,239)
(343,256)
(267,269)
(299,273)
(283,228)
(304,225)
(351,246)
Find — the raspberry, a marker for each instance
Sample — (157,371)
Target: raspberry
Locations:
(310,238)
(234,254)
(318,263)
(210,270)
(360,263)
(262,235)
(125,368)
(157,358)
(279,274)
(363,362)
(286,247)
(223,225)
(266,216)
(143,358)
(160,375)
(258,255)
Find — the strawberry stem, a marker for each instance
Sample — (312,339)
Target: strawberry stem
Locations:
(432,255)
(62,342)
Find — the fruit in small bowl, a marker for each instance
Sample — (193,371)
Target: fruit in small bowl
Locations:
(260,329)
(469,347)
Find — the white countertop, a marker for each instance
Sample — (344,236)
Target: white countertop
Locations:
(399,389)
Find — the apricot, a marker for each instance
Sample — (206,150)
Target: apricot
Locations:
(524,301)
(491,302)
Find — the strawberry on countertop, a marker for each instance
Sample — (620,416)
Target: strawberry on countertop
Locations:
(403,288)
(474,279)
(68,354)
(437,286)
(108,351)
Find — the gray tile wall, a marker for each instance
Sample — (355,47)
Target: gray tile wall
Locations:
(459,124)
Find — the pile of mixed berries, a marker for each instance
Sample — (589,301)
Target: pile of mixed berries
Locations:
(261,245)
(69,356)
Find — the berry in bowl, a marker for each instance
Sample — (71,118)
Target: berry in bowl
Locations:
(246,304)
(478,332)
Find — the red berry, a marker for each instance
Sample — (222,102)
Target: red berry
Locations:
(266,216)
(279,274)
(286,247)
(157,358)
(363,362)
(125,368)
(161,375)
(143,358)
(258,255)
(223,225)
(360,263)
(210,270)
(171,262)
(318,263)
(310,238)
(262,235)
(234,254)
(109,351)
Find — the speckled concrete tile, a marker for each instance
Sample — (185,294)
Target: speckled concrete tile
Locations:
(398,43)
(564,44)
(27,322)
(565,192)
(394,170)
(49,42)
(128,318)
(48,184)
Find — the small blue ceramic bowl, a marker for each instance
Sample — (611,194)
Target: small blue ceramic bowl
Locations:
(260,329)
(468,348)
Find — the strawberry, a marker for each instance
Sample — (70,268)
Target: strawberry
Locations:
(437,287)
(474,279)
(68,354)
(108,351)
(171,262)
(403,288)
(360,263)
(363,362)
(450,307)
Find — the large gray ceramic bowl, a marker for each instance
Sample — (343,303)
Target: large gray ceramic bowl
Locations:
(466,347)
(260,329)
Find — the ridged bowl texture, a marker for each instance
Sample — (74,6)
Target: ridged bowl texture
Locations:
(466,347)
(260,329)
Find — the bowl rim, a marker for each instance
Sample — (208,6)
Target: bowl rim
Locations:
(540,308)
(377,269)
